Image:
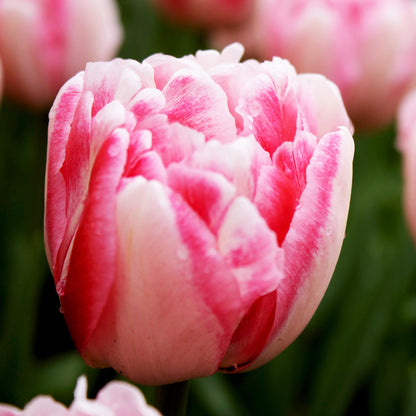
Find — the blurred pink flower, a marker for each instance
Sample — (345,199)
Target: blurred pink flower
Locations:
(406,143)
(117,398)
(195,210)
(206,13)
(45,42)
(367,47)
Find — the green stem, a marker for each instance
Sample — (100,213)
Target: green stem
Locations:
(171,399)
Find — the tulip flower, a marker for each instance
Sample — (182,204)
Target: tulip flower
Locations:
(195,210)
(407,145)
(206,13)
(45,42)
(367,47)
(117,398)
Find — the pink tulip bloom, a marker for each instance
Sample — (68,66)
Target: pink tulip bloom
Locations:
(206,13)
(195,210)
(367,47)
(407,146)
(117,398)
(45,42)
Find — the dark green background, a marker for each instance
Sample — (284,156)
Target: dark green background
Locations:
(356,357)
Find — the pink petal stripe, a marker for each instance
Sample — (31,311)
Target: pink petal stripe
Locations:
(268,112)
(149,165)
(60,116)
(91,268)
(208,194)
(75,172)
(275,200)
(193,99)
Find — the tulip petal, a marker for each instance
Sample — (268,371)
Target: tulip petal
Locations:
(240,162)
(269,112)
(209,194)
(314,240)
(87,287)
(321,104)
(44,405)
(280,187)
(251,334)
(193,99)
(276,200)
(125,400)
(250,249)
(60,118)
(168,272)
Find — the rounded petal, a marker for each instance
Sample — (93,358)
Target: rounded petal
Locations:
(43,405)
(125,399)
(160,279)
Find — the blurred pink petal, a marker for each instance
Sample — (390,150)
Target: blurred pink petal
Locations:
(117,398)
(367,47)
(406,142)
(45,42)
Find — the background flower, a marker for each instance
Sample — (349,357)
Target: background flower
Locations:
(407,146)
(367,47)
(196,206)
(117,398)
(45,42)
(206,13)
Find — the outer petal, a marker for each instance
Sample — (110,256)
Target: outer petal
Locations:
(314,240)
(92,267)
(168,272)
(60,118)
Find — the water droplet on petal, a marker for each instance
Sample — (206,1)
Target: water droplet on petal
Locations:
(60,287)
